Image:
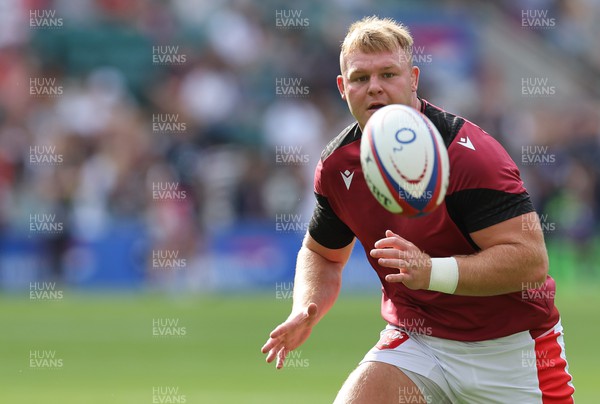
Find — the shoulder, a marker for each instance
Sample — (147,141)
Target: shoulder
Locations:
(477,159)
(458,130)
(333,155)
(446,123)
(348,135)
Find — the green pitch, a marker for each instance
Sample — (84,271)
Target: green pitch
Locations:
(158,349)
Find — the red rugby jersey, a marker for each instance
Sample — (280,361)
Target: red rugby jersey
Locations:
(485,188)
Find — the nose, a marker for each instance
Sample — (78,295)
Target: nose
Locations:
(374,86)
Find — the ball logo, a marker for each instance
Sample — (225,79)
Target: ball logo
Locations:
(404,161)
(412,181)
(412,136)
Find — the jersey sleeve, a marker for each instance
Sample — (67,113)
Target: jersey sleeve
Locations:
(485,184)
(325,227)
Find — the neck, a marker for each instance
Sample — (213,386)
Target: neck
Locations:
(417,103)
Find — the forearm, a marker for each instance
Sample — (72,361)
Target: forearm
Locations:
(316,287)
(511,259)
(317,280)
(501,269)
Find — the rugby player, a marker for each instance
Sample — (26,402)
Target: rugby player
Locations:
(465,290)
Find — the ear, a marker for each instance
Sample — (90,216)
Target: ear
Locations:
(340,86)
(414,78)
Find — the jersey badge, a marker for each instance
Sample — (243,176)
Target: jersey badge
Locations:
(347,176)
(466,142)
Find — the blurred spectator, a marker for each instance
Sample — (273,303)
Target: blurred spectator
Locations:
(224,61)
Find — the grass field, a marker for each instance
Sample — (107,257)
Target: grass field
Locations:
(102,348)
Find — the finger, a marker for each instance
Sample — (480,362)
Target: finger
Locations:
(396,278)
(281,329)
(389,233)
(393,242)
(286,326)
(272,354)
(308,313)
(281,358)
(387,253)
(393,263)
(270,344)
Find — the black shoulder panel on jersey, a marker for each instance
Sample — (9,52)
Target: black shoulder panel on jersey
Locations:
(476,209)
(326,227)
(446,123)
(348,135)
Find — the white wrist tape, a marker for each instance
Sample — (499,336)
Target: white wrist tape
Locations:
(444,275)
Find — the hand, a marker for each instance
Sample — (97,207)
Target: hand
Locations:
(289,335)
(414,265)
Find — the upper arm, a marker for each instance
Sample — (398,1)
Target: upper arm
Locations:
(337,255)
(328,236)
(522,243)
(524,229)
(486,197)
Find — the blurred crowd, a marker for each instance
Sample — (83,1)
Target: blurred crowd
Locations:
(102,102)
(571,26)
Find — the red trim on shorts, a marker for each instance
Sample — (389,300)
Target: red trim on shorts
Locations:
(554,380)
(391,339)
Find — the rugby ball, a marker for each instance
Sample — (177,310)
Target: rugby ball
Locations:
(404,161)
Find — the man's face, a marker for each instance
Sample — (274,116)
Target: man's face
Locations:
(373,80)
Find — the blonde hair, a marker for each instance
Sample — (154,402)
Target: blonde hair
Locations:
(373,34)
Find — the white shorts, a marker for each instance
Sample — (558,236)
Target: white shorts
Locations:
(516,369)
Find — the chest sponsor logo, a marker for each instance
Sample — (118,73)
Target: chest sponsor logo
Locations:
(347,177)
